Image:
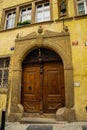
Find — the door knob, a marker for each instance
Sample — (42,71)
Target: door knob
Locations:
(29,87)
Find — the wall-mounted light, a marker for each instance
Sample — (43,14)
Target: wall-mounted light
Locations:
(63,9)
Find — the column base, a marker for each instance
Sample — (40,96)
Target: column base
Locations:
(16,116)
(65,114)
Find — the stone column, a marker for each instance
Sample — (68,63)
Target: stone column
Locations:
(67,113)
(69,90)
(16,110)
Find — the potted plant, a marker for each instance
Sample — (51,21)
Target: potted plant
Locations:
(24,23)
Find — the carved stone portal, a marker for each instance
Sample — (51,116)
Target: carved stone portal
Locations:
(59,43)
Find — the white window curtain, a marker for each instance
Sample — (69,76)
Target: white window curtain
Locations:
(10,20)
(25,14)
(43,12)
(39,13)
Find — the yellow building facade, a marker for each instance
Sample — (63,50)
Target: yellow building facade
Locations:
(28,30)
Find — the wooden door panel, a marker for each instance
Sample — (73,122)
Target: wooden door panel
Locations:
(42,81)
(54,98)
(31,89)
(43,90)
(53,106)
(32,106)
(30,81)
(52,87)
(52,81)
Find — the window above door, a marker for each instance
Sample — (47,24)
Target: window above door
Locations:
(27,13)
(43,12)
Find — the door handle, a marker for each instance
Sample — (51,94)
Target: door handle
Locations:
(30,88)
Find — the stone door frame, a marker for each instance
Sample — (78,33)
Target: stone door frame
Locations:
(59,43)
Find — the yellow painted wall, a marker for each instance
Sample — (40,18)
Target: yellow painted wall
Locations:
(78,32)
(3,98)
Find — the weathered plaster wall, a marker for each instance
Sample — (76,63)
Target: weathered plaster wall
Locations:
(78,31)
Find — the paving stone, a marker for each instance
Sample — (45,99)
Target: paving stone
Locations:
(40,127)
(59,126)
(84,127)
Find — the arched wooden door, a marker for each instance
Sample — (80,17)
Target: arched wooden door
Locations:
(42,82)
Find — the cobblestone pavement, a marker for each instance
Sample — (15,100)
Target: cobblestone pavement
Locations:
(59,126)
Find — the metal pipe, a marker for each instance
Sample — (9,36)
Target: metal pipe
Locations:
(3,120)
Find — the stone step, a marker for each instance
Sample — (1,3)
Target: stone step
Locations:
(37,120)
(44,115)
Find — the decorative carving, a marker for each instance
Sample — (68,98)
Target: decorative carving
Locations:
(47,33)
(65,28)
(63,6)
(27,37)
(40,30)
(53,34)
(17,36)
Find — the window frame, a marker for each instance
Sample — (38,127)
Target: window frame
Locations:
(3,20)
(3,69)
(25,6)
(7,19)
(42,11)
(17,9)
(85,6)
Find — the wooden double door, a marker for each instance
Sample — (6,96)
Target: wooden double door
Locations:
(43,87)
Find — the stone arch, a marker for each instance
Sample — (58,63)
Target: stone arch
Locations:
(61,52)
(59,43)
